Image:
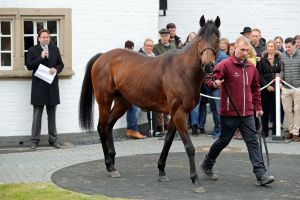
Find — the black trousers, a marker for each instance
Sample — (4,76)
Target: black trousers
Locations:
(37,120)
(268,106)
(228,128)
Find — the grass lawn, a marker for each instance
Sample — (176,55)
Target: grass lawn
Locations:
(43,191)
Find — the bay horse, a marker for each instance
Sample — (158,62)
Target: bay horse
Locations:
(169,83)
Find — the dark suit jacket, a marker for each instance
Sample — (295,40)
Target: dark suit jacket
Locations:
(43,93)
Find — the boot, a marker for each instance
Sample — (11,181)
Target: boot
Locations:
(135,134)
(202,131)
(266,131)
(195,130)
(265,179)
(288,136)
(207,173)
(295,138)
(206,169)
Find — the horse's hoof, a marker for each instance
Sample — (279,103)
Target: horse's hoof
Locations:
(114,174)
(163,179)
(199,189)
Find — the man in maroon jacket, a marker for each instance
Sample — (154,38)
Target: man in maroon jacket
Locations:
(242,81)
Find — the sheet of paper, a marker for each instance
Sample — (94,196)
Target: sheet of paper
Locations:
(43,73)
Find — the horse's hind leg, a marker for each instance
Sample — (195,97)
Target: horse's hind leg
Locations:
(121,105)
(104,135)
(107,158)
(165,151)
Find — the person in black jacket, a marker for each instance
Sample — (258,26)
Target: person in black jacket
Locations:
(269,65)
(257,42)
(43,93)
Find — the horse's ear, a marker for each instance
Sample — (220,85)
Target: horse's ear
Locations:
(202,21)
(218,22)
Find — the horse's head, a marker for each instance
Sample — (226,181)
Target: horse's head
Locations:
(208,43)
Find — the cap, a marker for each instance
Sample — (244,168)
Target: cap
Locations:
(246,30)
(164,30)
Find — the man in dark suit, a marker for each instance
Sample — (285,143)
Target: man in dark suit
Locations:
(43,93)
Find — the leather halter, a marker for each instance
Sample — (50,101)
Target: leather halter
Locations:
(207,68)
(207,48)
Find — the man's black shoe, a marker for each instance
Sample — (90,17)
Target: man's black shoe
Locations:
(55,145)
(33,146)
(202,131)
(195,130)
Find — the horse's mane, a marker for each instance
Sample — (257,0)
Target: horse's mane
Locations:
(208,29)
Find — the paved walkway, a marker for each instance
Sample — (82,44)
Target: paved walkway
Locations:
(39,165)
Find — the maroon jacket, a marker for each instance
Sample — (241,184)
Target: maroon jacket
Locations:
(243,86)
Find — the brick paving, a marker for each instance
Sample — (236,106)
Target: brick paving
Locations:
(39,165)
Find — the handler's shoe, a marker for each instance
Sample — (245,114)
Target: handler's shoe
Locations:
(135,134)
(208,174)
(296,138)
(265,179)
(55,145)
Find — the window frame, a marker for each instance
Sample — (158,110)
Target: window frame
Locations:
(17,17)
(11,47)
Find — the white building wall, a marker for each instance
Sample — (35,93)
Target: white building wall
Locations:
(97,26)
(273,18)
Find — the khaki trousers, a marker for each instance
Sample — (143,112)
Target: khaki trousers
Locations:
(291,106)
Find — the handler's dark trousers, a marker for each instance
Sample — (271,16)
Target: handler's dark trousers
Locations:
(228,128)
(37,120)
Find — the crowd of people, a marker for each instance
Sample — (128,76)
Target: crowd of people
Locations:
(241,69)
(274,57)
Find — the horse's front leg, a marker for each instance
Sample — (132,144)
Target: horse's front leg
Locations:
(165,151)
(180,121)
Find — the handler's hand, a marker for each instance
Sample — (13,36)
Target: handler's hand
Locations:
(259,113)
(217,83)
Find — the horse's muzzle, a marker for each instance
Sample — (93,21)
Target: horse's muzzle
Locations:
(207,67)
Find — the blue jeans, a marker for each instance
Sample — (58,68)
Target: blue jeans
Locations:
(194,114)
(214,105)
(229,126)
(198,115)
(132,118)
(202,114)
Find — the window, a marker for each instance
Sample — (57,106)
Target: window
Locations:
(19,29)
(31,30)
(6,45)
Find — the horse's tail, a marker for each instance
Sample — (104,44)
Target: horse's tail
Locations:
(86,103)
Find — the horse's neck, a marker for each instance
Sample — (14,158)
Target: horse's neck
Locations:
(191,62)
